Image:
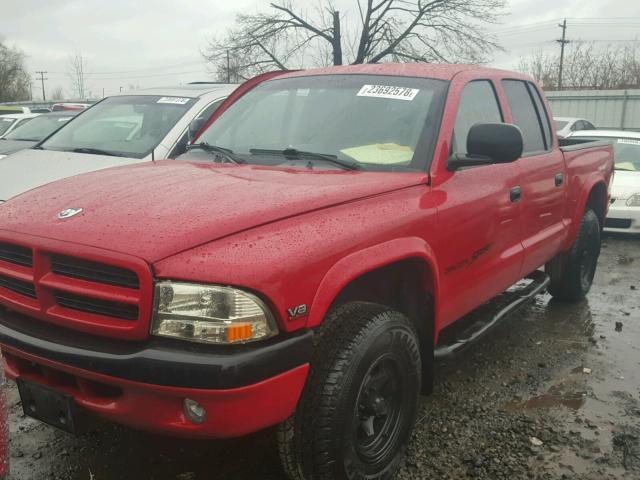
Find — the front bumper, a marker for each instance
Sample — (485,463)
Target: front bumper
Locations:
(143,385)
(622,219)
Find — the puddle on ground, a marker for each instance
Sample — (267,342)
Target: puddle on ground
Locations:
(625,260)
(557,396)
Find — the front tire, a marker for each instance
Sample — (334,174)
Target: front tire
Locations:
(358,409)
(572,273)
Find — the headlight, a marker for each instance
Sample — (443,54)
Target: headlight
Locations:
(210,314)
(634,200)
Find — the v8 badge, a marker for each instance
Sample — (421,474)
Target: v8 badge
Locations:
(296,312)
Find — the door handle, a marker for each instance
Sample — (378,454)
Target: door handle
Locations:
(559,179)
(516,194)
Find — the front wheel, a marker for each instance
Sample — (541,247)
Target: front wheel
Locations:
(572,273)
(359,406)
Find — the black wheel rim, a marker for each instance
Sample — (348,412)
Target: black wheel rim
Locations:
(588,261)
(378,415)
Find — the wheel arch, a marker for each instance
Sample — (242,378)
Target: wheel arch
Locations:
(401,274)
(594,195)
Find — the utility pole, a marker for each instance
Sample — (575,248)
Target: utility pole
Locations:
(228,68)
(42,79)
(562,43)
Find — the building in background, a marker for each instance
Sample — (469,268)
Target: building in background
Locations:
(607,109)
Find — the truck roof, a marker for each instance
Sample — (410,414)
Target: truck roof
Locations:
(427,70)
(189,90)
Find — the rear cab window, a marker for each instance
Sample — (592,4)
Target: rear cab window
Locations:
(529,114)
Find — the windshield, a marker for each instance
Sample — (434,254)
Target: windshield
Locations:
(128,126)
(626,152)
(5,123)
(376,122)
(560,124)
(37,128)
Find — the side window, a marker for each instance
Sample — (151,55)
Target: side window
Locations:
(524,115)
(542,115)
(589,126)
(478,104)
(574,126)
(207,112)
(181,145)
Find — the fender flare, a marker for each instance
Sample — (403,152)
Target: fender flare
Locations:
(589,184)
(366,260)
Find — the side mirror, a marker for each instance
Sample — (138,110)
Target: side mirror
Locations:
(194,127)
(489,143)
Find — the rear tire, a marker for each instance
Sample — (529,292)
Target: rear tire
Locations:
(572,273)
(357,412)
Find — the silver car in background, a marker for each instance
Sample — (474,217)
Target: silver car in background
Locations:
(566,125)
(123,129)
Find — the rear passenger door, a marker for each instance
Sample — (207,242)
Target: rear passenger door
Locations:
(543,175)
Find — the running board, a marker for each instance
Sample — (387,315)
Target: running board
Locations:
(521,295)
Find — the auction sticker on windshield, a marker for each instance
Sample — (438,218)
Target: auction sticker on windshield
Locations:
(387,91)
(629,141)
(174,100)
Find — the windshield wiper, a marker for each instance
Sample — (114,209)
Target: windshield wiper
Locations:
(225,153)
(96,151)
(300,154)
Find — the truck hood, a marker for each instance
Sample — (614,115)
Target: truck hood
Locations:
(30,168)
(625,184)
(154,210)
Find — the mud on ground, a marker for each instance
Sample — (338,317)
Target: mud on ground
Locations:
(552,393)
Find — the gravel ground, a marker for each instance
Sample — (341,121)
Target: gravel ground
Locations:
(552,393)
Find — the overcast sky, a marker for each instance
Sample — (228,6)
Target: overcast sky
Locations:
(158,42)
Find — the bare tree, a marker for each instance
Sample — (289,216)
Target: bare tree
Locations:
(15,82)
(77,74)
(587,66)
(373,31)
(57,93)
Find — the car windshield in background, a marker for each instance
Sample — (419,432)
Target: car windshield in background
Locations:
(38,128)
(127,126)
(626,152)
(560,125)
(368,121)
(5,123)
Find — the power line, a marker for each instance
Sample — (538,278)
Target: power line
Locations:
(585,21)
(42,79)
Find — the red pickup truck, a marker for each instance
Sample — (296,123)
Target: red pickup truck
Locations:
(301,265)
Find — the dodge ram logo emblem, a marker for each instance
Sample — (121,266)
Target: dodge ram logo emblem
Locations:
(68,213)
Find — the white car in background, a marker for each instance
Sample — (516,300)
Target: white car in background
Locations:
(12,121)
(624,211)
(566,125)
(129,128)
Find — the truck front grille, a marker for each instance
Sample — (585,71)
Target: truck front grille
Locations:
(16,254)
(97,292)
(93,271)
(97,307)
(18,286)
